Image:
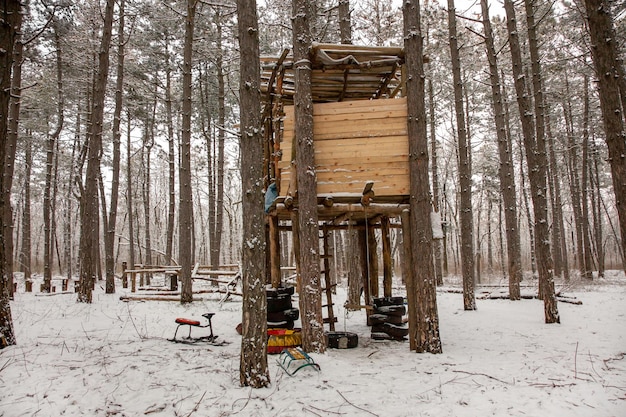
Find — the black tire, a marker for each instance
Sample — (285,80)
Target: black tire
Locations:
(289,314)
(375,319)
(394,310)
(277,292)
(380,336)
(342,340)
(280,303)
(388,301)
(396,332)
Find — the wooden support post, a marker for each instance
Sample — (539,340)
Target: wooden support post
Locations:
(173,281)
(64,284)
(133,281)
(328,286)
(387,265)
(362,236)
(29,286)
(274,238)
(407,271)
(124,275)
(295,234)
(372,253)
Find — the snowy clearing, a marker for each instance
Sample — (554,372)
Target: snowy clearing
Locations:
(112,358)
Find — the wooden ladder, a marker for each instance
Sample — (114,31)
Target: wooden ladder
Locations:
(327,286)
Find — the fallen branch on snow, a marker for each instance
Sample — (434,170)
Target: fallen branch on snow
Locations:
(481,374)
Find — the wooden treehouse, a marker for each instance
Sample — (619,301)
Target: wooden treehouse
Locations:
(361,153)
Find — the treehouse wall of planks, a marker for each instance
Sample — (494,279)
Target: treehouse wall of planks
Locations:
(359,119)
(355,142)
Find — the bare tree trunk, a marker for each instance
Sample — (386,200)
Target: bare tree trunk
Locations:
(109,241)
(310,296)
(421,292)
(597,212)
(605,54)
(10,25)
(253,369)
(561,264)
(465,170)
(535,155)
(89,245)
(345,23)
(129,196)
(574,179)
(147,186)
(506,169)
(587,272)
(185,219)
(171,158)
(25,252)
(218,220)
(12,136)
(48,213)
(437,243)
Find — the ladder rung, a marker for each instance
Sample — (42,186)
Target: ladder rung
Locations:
(328,320)
(328,305)
(329,256)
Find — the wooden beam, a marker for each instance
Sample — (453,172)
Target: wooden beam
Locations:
(274,236)
(372,260)
(387,264)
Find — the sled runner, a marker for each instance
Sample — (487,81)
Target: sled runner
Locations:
(296,357)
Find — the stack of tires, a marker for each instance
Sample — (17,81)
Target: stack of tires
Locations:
(387,319)
(281,316)
(280,312)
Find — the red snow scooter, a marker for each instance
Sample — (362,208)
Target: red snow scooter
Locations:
(211,338)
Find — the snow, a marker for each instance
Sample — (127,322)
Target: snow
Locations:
(112,358)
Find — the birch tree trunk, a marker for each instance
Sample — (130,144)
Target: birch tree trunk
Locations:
(253,369)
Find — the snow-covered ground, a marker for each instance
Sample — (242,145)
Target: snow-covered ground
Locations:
(112,358)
